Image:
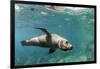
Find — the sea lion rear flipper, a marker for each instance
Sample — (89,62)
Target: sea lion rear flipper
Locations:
(45,31)
(51,50)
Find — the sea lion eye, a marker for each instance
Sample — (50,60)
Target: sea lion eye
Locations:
(66,42)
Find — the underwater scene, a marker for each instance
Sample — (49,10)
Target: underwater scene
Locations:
(76,24)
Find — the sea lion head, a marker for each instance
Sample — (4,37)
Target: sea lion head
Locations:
(65,45)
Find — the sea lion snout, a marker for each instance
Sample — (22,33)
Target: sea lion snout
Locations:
(71,47)
(68,48)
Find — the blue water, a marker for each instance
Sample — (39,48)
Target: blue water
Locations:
(76,26)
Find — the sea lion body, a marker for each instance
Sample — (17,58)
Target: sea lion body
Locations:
(52,41)
(42,41)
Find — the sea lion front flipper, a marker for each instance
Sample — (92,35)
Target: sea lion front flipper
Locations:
(45,31)
(51,50)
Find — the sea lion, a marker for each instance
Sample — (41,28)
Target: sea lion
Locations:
(52,41)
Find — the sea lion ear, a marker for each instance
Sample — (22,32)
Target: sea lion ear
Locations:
(45,31)
(51,50)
